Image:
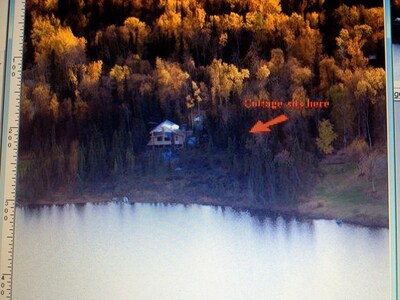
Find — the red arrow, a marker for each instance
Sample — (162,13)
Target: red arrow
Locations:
(264,127)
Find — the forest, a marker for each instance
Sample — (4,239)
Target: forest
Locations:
(99,75)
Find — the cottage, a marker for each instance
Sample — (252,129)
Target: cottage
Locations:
(167,134)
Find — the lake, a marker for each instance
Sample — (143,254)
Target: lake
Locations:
(148,251)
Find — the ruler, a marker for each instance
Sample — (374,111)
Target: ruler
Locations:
(12,14)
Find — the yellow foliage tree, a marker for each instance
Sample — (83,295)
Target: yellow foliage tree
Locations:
(171,79)
(139,31)
(301,41)
(120,74)
(350,44)
(265,6)
(48,38)
(263,73)
(58,52)
(225,79)
(170,23)
(90,79)
(326,137)
(45,101)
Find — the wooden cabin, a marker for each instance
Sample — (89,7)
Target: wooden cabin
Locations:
(168,134)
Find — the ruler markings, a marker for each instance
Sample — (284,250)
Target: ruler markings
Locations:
(10,134)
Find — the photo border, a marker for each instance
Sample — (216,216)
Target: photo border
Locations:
(393,162)
(391,150)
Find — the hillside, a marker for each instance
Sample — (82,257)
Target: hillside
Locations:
(100,75)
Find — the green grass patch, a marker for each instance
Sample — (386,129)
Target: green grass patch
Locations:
(346,193)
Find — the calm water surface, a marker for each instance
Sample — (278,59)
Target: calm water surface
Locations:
(144,251)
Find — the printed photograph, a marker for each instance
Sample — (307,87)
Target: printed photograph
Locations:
(203,149)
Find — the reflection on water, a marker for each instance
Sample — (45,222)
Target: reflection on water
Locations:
(144,251)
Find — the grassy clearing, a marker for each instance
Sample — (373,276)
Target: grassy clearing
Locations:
(345,193)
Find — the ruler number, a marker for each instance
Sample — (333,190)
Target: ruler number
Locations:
(2,286)
(9,144)
(5,214)
(13,67)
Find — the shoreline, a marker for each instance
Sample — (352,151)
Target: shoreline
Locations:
(304,210)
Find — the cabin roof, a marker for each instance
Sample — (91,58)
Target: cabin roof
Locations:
(166,126)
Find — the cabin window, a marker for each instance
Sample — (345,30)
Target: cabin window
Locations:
(159,139)
(167,139)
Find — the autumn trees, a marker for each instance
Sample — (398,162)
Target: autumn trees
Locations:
(355,88)
(100,74)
